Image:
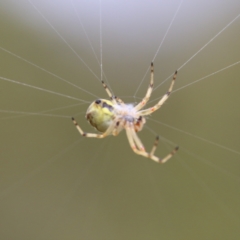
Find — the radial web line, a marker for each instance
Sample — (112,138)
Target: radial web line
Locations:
(41,113)
(197,137)
(205,45)
(44,70)
(89,42)
(63,39)
(209,75)
(200,158)
(165,35)
(41,89)
(32,113)
(200,79)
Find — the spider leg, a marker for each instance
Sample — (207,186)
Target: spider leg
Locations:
(112,97)
(135,138)
(162,100)
(138,147)
(115,99)
(95,135)
(166,158)
(119,100)
(154,146)
(149,91)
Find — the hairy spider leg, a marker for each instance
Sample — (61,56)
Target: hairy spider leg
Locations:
(95,135)
(148,111)
(138,148)
(149,91)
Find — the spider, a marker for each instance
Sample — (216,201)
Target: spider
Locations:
(109,117)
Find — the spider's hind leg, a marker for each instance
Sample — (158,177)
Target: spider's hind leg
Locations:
(139,149)
(154,146)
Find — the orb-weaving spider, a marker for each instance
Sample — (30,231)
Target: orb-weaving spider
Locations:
(110,117)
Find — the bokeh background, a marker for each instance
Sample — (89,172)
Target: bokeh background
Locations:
(56,185)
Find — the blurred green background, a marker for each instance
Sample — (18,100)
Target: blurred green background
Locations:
(56,185)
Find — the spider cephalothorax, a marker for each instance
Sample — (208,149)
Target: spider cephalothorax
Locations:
(111,116)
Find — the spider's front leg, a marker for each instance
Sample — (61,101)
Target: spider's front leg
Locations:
(108,92)
(113,98)
(149,91)
(162,100)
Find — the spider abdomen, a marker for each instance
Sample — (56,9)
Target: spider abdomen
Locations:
(100,114)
